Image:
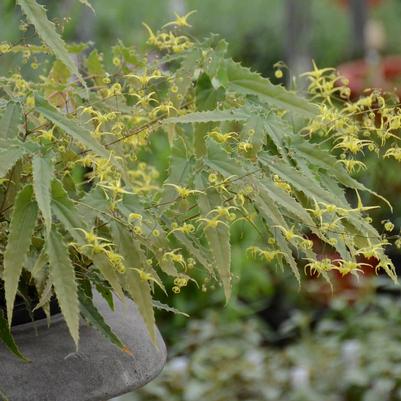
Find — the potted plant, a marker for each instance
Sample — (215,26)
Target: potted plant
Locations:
(87,223)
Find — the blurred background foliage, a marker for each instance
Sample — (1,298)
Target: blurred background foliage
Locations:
(273,341)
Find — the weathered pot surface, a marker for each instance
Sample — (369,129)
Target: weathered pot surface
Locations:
(97,372)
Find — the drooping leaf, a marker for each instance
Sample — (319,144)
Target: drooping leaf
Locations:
(67,213)
(136,287)
(274,218)
(62,274)
(242,80)
(92,315)
(10,120)
(179,171)
(45,294)
(168,308)
(218,238)
(36,15)
(8,340)
(22,224)
(43,174)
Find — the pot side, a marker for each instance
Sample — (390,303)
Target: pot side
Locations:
(97,372)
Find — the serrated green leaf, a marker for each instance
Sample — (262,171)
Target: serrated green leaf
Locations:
(179,172)
(285,201)
(22,224)
(8,340)
(8,158)
(36,15)
(43,174)
(45,294)
(71,127)
(242,80)
(184,75)
(274,218)
(218,238)
(138,289)
(67,213)
(96,320)
(64,282)
(10,120)
(108,272)
(323,159)
(221,161)
(95,66)
(209,116)
(288,173)
(168,308)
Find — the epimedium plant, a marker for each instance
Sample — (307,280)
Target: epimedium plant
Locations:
(83,206)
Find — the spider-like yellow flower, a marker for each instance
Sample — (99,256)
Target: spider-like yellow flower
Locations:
(349,266)
(185,229)
(319,266)
(181,21)
(394,152)
(222,138)
(212,223)
(143,79)
(289,234)
(352,144)
(222,211)
(184,192)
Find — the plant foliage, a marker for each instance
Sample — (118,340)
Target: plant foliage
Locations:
(83,207)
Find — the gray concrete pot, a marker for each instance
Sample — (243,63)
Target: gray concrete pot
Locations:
(98,372)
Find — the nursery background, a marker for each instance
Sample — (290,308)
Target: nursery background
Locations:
(274,340)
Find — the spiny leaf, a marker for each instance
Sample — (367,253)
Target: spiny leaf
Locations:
(10,120)
(209,116)
(71,127)
(96,320)
(36,15)
(64,281)
(242,80)
(22,224)
(43,174)
(218,238)
(7,338)
(137,288)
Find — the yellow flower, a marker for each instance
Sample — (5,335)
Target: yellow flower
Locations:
(181,21)
(184,192)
